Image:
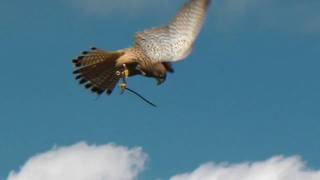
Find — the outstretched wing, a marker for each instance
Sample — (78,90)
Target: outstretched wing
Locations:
(174,41)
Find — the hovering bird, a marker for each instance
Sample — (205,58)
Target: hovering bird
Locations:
(151,54)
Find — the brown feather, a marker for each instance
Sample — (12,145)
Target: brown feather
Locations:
(97,70)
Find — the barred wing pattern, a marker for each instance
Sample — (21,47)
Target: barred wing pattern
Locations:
(174,41)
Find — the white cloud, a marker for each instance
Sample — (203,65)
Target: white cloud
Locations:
(277,168)
(110,162)
(84,162)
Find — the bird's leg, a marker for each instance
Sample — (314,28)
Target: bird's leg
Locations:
(125,75)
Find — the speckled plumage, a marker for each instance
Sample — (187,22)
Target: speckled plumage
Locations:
(151,55)
(174,41)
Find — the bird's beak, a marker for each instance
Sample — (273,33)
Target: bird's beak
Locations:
(160,80)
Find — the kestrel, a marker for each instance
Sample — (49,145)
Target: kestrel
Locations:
(151,55)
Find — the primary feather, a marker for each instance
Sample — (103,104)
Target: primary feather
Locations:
(174,41)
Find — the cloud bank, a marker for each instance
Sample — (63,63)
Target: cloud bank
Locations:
(277,168)
(84,162)
(110,162)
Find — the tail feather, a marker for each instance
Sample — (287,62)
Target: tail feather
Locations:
(91,57)
(107,79)
(110,83)
(97,69)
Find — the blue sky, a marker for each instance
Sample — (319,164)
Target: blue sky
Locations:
(248,92)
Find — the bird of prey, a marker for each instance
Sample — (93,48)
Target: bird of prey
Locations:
(151,54)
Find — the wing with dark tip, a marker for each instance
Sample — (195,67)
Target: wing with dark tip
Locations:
(174,41)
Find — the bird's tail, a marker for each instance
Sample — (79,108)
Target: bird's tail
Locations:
(97,70)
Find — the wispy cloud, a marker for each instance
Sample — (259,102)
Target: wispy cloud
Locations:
(106,7)
(291,16)
(277,168)
(84,162)
(228,15)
